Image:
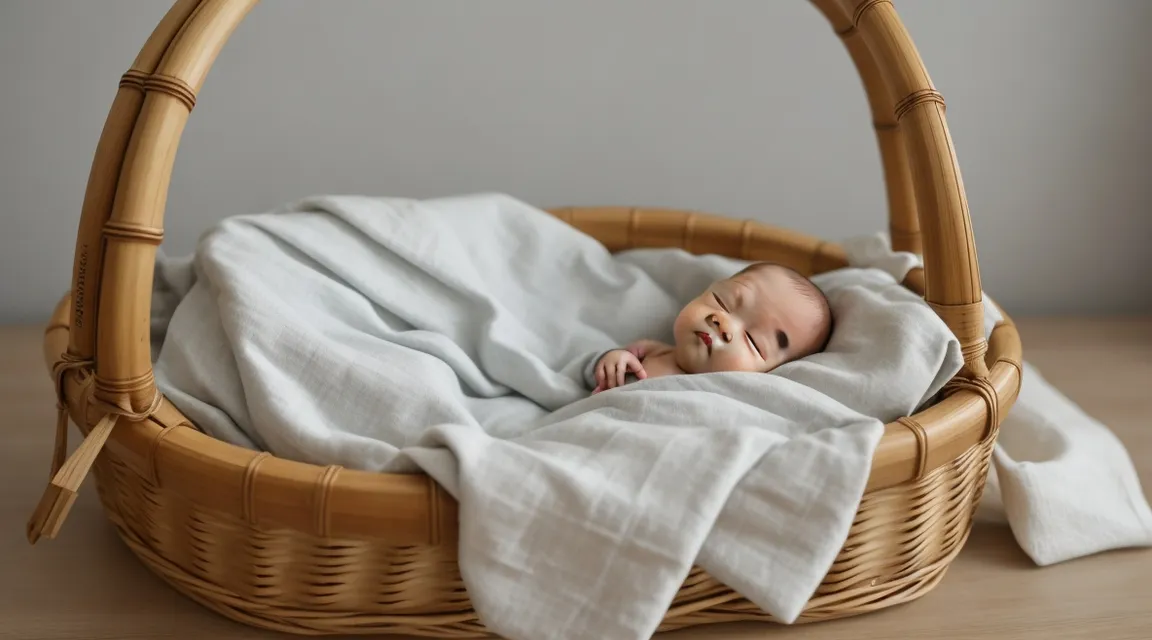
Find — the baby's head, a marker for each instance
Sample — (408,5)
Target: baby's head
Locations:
(755,321)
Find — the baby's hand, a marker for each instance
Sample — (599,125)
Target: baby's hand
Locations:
(614,367)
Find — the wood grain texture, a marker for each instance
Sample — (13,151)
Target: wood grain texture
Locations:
(88,585)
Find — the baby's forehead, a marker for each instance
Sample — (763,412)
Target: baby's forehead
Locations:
(770,285)
(766,277)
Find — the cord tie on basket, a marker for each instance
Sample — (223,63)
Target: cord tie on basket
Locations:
(987,392)
(67,362)
(69,474)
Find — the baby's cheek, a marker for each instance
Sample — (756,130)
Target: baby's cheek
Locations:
(730,361)
(685,316)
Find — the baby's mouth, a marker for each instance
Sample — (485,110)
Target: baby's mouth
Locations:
(706,339)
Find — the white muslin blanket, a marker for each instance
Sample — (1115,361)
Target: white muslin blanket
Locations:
(456,337)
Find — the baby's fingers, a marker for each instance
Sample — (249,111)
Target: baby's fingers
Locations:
(604,371)
(608,380)
(621,372)
(638,369)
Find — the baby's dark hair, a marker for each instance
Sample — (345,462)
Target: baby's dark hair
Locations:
(809,290)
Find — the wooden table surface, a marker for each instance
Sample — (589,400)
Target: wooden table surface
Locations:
(86,584)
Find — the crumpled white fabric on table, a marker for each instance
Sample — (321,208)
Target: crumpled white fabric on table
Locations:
(1060,478)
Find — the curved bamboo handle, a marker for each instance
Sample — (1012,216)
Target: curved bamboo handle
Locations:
(895,74)
(903,224)
(120,226)
(103,177)
(135,226)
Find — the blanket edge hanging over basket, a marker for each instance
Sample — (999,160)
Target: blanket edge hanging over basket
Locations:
(187,504)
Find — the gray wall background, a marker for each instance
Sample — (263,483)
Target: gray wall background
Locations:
(749,108)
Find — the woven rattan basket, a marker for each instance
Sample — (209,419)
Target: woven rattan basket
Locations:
(317,550)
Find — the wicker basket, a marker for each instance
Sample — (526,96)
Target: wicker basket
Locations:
(322,550)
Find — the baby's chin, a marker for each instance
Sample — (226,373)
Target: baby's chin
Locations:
(692,361)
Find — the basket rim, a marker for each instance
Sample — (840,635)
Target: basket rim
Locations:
(271,491)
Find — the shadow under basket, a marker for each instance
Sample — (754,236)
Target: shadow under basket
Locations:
(324,550)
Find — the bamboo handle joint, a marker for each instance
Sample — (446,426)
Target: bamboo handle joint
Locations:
(915,99)
(133,232)
(857,15)
(159,83)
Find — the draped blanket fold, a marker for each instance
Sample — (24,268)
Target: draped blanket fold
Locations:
(456,336)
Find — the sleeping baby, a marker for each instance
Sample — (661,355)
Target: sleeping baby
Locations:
(760,318)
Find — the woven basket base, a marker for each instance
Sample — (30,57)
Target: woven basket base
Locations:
(185,545)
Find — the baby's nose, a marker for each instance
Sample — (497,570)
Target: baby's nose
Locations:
(715,321)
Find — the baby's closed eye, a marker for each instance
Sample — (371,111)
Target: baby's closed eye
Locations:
(755,348)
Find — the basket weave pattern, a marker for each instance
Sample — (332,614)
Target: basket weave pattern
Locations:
(899,547)
(324,550)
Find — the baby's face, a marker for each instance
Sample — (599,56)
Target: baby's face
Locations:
(754,322)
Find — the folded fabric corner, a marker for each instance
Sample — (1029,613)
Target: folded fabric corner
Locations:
(1061,479)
